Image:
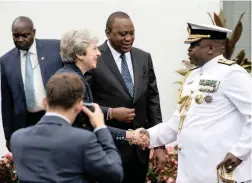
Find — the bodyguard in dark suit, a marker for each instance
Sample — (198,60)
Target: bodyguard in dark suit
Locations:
(54,151)
(25,71)
(124,80)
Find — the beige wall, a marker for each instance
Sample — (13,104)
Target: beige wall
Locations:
(160,29)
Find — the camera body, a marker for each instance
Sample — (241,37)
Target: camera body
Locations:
(82,120)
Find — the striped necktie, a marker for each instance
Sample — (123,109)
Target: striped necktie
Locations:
(126,75)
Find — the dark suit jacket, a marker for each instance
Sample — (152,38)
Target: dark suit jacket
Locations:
(116,133)
(54,151)
(12,87)
(109,89)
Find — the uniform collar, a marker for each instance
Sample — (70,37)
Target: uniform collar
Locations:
(211,63)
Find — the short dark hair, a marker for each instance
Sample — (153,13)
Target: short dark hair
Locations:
(25,19)
(113,16)
(63,90)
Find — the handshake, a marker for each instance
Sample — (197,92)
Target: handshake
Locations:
(138,137)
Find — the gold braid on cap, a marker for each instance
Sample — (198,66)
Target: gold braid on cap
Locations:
(196,36)
(189,40)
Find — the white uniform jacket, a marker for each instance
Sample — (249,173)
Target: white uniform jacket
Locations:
(219,124)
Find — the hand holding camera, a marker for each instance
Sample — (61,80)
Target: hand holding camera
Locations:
(95,115)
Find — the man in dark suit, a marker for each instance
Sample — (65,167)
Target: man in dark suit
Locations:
(125,81)
(54,151)
(25,71)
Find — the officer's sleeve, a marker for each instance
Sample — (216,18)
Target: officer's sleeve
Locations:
(238,88)
(164,133)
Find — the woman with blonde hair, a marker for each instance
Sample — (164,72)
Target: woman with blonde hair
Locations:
(79,52)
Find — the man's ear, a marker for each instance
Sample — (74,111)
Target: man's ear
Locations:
(78,106)
(34,32)
(107,33)
(44,102)
(81,103)
(211,49)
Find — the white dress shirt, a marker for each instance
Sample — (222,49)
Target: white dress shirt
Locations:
(63,117)
(58,115)
(38,81)
(116,55)
(214,127)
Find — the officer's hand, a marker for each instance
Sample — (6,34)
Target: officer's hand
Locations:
(230,162)
(96,118)
(139,137)
(159,160)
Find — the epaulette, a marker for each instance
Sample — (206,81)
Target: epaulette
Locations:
(226,62)
(194,68)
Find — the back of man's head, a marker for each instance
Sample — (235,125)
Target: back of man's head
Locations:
(63,90)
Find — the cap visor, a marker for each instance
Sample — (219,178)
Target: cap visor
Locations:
(192,40)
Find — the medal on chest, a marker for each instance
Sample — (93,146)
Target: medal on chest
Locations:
(209,86)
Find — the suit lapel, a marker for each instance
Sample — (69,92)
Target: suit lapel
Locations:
(17,68)
(110,62)
(42,60)
(137,72)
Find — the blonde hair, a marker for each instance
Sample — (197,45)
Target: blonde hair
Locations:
(74,42)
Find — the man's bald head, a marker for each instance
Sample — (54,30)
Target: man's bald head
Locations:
(23,32)
(22,21)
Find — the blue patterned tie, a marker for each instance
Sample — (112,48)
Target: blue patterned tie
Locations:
(126,75)
(29,83)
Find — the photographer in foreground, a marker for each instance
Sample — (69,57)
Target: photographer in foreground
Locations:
(54,151)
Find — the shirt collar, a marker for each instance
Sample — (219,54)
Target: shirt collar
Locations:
(115,53)
(58,115)
(32,50)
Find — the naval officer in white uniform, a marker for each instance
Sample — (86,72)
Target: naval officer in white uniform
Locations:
(212,122)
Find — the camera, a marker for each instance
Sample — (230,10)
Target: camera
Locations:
(82,120)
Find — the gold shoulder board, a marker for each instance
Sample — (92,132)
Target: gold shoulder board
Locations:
(226,62)
(194,68)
